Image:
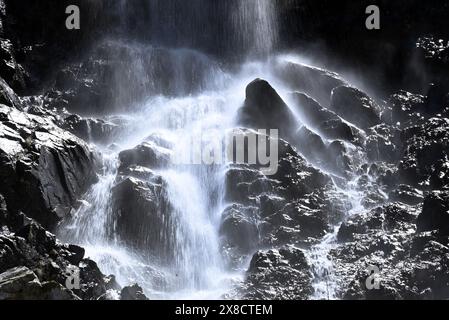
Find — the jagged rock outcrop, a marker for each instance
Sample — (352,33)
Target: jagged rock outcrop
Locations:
(91,130)
(44,169)
(148,154)
(8,97)
(140,212)
(326,122)
(265,109)
(35,265)
(435,213)
(134,292)
(278,274)
(424,161)
(316,82)
(355,106)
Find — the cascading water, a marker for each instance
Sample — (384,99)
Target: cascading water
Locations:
(181,95)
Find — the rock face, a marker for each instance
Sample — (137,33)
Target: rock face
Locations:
(34,265)
(91,130)
(140,214)
(44,169)
(435,213)
(278,274)
(316,82)
(133,292)
(326,122)
(355,106)
(265,109)
(426,150)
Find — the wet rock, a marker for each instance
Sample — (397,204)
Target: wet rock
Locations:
(133,292)
(44,168)
(148,154)
(8,97)
(278,274)
(92,130)
(315,82)
(22,284)
(50,263)
(407,108)
(10,70)
(435,213)
(333,157)
(424,162)
(141,212)
(265,109)
(383,143)
(239,228)
(311,146)
(326,122)
(406,194)
(355,106)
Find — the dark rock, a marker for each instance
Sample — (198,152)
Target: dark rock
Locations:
(239,228)
(406,194)
(51,262)
(77,254)
(426,150)
(435,213)
(326,122)
(10,70)
(133,292)
(316,82)
(265,109)
(141,212)
(44,168)
(355,106)
(88,129)
(148,154)
(383,143)
(407,108)
(437,99)
(278,274)
(8,97)
(22,284)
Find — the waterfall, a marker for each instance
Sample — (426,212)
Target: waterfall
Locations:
(166,86)
(181,95)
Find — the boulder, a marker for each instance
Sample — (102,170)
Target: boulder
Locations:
(239,228)
(315,82)
(426,148)
(147,154)
(21,283)
(326,122)
(278,274)
(141,213)
(406,194)
(265,109)
(355,106)
(435,213)
(44,169)
(89,129)
(8,97)
(134,292)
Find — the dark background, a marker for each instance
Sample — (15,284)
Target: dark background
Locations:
(330,30)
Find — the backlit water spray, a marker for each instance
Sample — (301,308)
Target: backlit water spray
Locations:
(186,93)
